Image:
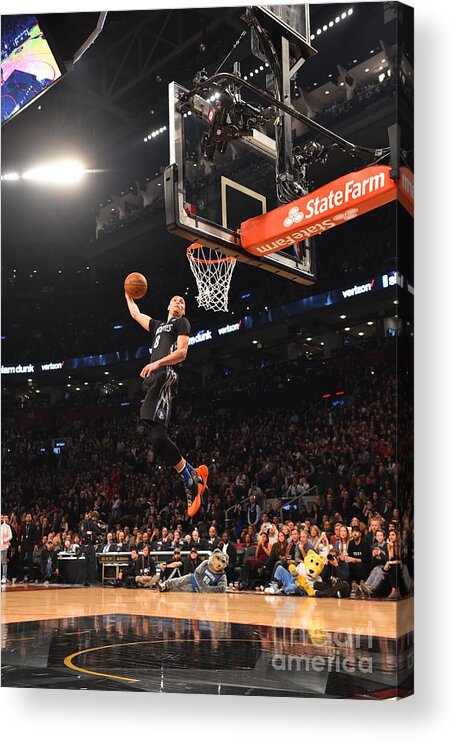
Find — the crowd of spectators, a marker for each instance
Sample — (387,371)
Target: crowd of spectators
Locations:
(344,456)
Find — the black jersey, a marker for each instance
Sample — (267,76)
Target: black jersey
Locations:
(165,336)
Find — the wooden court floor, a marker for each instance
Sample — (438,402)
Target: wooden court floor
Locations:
(375,618)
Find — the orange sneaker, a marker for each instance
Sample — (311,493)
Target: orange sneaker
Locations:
(194,504)
(203,473)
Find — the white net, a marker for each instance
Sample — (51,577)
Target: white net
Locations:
(213,272)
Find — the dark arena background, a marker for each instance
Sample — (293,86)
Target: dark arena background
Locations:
(291,396)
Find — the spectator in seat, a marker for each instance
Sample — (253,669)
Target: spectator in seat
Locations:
(162,542)
(375,523)
(314,535)
(304,541)
(6,538)
(132,541)
(49,564)
(296,553)
(145,568)
(122,544)
(343,542)
(199,543)
(379,556)
(397,571)
(316,510)
(226,546)
(336,532)
(192,561)
(154,536)
(358,559)
(335,578)
(166,545)
(109,545)
(278,555)
(213,539)
(388,509)
(251,564)
(322,547)
(272,534)
(127,575)
(173,568)
(238,518)
(379,548)
(330,507)
(144,541)
(76,544)
(245,540)
(253,513)
(177,541)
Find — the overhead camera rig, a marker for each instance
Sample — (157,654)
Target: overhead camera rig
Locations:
(230,117)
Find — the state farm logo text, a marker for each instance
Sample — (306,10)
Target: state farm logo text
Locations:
(308,209)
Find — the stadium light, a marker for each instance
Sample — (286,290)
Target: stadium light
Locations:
(63,171)
(10,176)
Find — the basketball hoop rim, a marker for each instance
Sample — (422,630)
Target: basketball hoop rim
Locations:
(206,261)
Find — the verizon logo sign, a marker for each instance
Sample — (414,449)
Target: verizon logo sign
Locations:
(354,290)
(52,366)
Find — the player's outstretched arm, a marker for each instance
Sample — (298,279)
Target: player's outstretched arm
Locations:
(143,319)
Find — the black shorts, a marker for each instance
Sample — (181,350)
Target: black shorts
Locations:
(160,389)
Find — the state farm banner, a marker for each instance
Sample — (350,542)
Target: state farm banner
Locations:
(335,203)
(406,189)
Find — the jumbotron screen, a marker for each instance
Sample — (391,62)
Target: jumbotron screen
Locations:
(28,65)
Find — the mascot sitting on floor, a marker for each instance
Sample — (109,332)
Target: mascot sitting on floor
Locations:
(209,577)
(300,579)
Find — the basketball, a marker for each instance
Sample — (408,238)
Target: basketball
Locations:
(135,285)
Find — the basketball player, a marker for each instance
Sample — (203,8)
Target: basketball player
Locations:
(169,342)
